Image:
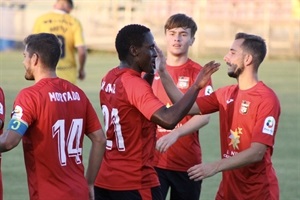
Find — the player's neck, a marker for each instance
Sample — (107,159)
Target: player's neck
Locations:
(173,60)
(247,81)
(49,74)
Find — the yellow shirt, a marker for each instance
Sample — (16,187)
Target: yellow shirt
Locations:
(69,30)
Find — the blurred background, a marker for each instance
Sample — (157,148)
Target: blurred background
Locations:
(278,21)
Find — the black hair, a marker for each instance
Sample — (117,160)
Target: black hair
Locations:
(46,45)
(130,35)
(255,45)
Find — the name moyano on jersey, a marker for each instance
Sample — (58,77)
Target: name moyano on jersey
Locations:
(64,97)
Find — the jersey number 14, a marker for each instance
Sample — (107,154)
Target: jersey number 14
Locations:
(73,141)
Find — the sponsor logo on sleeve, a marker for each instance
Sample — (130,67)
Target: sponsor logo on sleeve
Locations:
(17,113)
(208,90)
(269,125)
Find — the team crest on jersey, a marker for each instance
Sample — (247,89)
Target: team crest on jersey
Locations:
(183,82)
(244,107)
(1,109)
(17,112)
(269,125)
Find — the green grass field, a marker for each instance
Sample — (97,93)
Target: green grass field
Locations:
(281,75)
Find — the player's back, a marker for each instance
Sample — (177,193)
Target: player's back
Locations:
(53,142)
(127,101)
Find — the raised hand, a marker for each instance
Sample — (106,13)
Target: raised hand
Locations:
(205,74)
(160,62)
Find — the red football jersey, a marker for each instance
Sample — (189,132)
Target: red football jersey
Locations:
(127,103)
(2,118)
(246,116)
(186,151)
(58,115)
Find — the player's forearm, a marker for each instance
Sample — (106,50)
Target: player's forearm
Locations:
(169,117)
(82,56)
(171,89)
(194,124)
(9,140)
(251,155)
(95,157)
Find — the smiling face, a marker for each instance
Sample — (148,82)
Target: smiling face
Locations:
(179,40)
(146,54)
(235,59)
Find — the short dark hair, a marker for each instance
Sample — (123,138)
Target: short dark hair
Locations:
(46,45)
(181,20)
(70,2)
(255,45)
(130,35)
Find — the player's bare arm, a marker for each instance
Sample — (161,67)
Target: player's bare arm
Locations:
(169,117)
(253,154)
(170,87)
(194,124)
(82,54)
(96,154)
(8,140)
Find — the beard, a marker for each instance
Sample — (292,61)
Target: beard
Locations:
(28,76)
(235,73)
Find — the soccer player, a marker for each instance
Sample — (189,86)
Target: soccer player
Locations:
(52,117)
(69,30)
(172,164)
(249,115)
(2,119)
(130,110)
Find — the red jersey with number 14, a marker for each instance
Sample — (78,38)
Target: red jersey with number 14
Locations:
(58,114)
(127,103)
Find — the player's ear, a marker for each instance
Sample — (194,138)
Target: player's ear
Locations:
(248,59)
(134,51)
(192,41)
(35,58)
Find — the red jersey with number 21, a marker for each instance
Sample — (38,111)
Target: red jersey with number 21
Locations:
(127,103)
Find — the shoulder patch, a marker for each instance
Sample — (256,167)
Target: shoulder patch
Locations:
(17,112)
(269,125)
(208,90)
